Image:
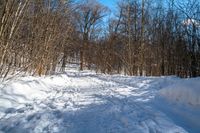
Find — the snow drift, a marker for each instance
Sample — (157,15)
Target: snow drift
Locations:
(185,91)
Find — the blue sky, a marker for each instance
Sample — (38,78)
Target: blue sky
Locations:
(109,3)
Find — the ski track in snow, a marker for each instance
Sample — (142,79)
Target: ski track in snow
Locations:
(85,102)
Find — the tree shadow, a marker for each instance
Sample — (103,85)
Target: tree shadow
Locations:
(121,115)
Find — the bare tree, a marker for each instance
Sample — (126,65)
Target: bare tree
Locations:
(90,13)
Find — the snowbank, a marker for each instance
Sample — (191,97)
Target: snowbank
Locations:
(17,93)
(180,101)
(185,91)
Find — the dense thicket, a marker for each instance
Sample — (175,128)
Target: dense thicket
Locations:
(33,35)
(143,37)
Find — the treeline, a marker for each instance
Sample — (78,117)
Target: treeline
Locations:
(143,37)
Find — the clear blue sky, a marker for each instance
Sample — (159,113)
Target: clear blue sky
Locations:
(109,3)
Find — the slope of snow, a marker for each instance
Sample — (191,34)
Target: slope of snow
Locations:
(181,102)
(85,102)
(185,91)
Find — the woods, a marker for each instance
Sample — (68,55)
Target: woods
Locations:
(143,37)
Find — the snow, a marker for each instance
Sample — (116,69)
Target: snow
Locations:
(181,102)
(86,102)
(184,91)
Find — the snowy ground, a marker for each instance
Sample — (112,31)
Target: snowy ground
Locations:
(85,102)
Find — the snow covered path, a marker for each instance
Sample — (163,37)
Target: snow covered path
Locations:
(84,102)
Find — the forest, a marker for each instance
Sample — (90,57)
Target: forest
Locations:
(99,66)
(142,37)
